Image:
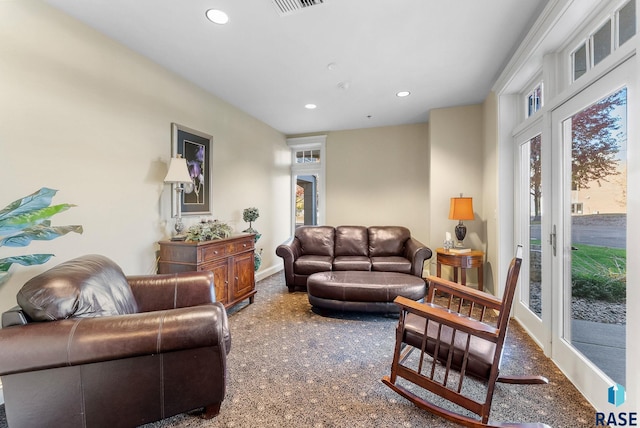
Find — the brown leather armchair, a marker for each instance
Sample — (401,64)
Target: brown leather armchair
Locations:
(90,347)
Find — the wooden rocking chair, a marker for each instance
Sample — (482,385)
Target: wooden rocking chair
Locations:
(466,331)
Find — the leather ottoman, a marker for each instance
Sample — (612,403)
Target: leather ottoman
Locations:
(364,291)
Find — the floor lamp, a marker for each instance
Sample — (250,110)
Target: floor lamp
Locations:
(178,175)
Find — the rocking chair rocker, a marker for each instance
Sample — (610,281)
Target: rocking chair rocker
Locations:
(466,339)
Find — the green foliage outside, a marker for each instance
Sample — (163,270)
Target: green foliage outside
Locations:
(599,273)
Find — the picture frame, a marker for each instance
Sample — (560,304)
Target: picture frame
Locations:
(196,148)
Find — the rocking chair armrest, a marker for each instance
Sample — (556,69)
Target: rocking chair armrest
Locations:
(462,291)
(449,318)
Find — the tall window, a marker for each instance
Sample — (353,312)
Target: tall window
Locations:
(308,178)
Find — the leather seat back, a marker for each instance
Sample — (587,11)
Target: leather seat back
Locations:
(352,241)
(87,286)
(385,241)
(316,240)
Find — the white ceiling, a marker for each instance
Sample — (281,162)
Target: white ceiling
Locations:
(445,52)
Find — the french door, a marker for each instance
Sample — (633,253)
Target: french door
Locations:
(573,207)
(531,217)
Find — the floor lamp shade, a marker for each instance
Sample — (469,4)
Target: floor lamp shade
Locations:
(461,208)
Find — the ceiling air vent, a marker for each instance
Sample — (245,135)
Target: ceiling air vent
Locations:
(287,7)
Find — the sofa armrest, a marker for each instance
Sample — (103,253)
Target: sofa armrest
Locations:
(76,341)
(172,290)
(289,250)
(417,253)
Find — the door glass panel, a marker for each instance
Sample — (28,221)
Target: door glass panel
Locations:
(534,297)
(306,200)
(597,214)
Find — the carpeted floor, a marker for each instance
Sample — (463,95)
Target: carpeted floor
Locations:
(290,367)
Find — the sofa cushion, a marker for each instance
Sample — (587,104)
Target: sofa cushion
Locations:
(391,264)
(306,265)
(352,241)
(88,286)
(387,240)
(316,240)
(351,263)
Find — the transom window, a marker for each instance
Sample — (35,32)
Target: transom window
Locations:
(534,100)
(307,156)
(607,37)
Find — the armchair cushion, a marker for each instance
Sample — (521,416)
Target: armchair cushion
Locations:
(88,286)
(479,359)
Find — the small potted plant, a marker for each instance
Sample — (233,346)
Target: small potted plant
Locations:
(208,230)
(250,215)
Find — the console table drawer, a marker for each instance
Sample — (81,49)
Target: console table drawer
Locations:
(214,251)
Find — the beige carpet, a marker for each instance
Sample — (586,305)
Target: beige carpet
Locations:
(291,367)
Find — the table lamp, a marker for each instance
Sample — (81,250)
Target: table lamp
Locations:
(461,209)
(178,174)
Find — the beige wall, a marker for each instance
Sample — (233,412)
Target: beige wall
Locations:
(489,186)
(456,141)
(82,114)
(379,176)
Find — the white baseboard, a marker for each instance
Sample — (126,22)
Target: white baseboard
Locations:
(264,273)
(1,394)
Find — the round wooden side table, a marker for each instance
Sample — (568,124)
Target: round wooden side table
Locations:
(461,261)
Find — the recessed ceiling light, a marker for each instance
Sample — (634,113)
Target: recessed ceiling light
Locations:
(310,106)
(217,16)
(403,94)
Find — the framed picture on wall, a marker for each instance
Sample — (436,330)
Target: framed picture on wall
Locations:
(195,147)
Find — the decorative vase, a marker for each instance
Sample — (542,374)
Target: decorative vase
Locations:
(257,260)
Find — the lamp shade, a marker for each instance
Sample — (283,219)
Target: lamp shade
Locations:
(178,171)
(461,209)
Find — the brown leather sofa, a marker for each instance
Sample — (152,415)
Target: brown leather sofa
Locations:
(90,347)
(350,248)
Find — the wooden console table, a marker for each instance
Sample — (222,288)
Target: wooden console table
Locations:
(463,261)
(230,260)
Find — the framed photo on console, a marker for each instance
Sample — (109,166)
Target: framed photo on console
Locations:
(195,147)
